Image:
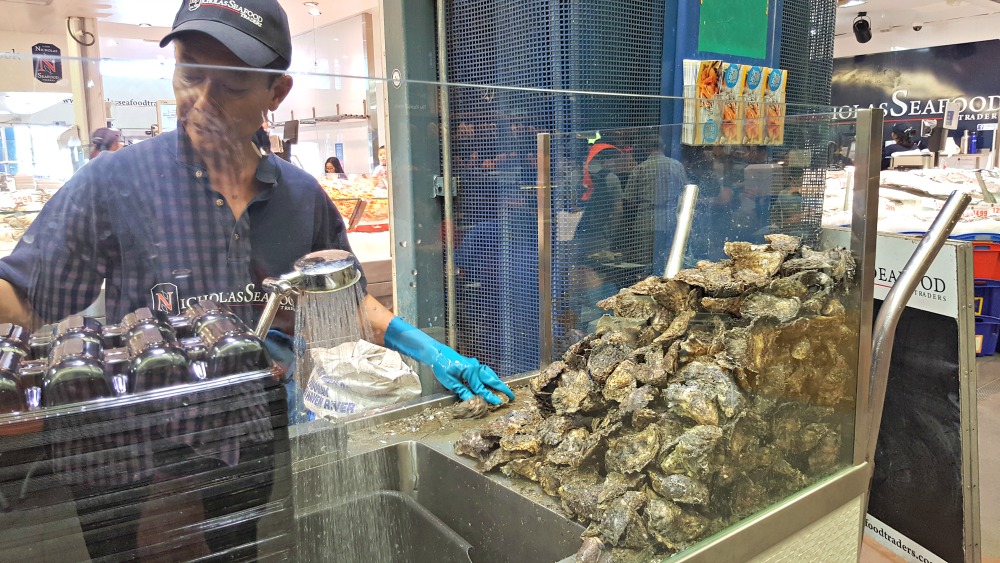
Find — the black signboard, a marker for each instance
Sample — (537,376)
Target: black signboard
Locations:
(48,62)
(917,486)
(916,84)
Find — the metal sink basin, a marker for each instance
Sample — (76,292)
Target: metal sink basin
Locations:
(410,503)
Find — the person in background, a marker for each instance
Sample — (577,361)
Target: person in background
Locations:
(192,213)
(105,140)
(333,166)
(649,209)
(905,140)
(381,173)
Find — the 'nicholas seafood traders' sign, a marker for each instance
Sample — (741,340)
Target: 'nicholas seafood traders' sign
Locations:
(917,84)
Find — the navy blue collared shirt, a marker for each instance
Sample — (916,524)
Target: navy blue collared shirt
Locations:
(146,221)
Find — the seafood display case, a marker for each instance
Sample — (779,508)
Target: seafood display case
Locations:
(714,414)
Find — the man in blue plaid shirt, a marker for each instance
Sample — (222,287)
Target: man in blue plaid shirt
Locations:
(201,212)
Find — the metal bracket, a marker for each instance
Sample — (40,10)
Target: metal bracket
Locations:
(439,186)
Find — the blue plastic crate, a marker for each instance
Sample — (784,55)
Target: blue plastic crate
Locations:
(987,329)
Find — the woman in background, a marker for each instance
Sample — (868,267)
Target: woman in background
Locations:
(105,139)
(333,166)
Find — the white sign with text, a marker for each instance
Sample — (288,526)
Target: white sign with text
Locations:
(937,291)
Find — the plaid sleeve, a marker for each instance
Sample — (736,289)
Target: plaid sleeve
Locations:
(60,261)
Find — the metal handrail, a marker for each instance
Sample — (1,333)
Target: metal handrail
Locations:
(894,303)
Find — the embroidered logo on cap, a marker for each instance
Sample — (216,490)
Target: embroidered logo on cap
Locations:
(232,6)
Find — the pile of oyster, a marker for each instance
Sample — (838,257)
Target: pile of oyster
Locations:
(704,399)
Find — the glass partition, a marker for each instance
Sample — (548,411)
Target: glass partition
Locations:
(749,402)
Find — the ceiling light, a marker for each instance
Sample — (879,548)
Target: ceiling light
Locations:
(311,4)
(862,28)
(145,25)
(314,12)
(849,3)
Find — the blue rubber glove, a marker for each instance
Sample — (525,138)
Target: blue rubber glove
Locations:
(460,375)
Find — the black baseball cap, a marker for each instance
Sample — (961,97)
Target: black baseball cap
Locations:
(256,31)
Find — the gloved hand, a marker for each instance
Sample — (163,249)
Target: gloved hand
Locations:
(460,375)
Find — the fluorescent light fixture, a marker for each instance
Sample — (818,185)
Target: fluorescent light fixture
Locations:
(850,3)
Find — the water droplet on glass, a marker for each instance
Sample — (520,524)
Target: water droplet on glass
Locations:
(181,273)
(413,284)
(419,241)
(28,238)
(403,243)
(414,272)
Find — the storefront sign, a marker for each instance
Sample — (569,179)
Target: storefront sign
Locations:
(48,62)
(921,83)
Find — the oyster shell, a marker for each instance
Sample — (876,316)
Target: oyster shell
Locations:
(672,294)
(607,354)
(621,523)
(672,526)
(716,278)
(621,382)
(570,449)
(696,453)
(630,305)
(633,452)
(754,265)
(574,388)
(580,499)
(528,468)
(679,488)
(473,443)
(765,305)
(527,443)
(510,423)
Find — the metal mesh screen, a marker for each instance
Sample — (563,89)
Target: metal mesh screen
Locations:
(807,29)
(580,45)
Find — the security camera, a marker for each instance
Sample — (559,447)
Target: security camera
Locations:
(917,26)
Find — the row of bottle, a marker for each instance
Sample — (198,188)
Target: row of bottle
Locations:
(81,360)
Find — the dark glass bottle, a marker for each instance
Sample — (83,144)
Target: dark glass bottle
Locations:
(231,347)
(158,360)
(12,397)
(76,370)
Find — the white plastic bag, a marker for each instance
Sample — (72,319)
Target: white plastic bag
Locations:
(355,377)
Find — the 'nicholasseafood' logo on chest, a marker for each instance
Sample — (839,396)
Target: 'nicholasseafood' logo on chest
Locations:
(165,297)
(232,6)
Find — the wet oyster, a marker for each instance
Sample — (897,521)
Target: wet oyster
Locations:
(515,420)
(473,443)
(528,468)
(679,488)
(574,388)
(764,305)
(633,452)
(696,453)
(527,443)
(753,265)
(672,294)
(630,305)
(716,278)
(580,499)
(610,351)
(621,382)
(621,523)
(671,525)
(570,450)
(476,407)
